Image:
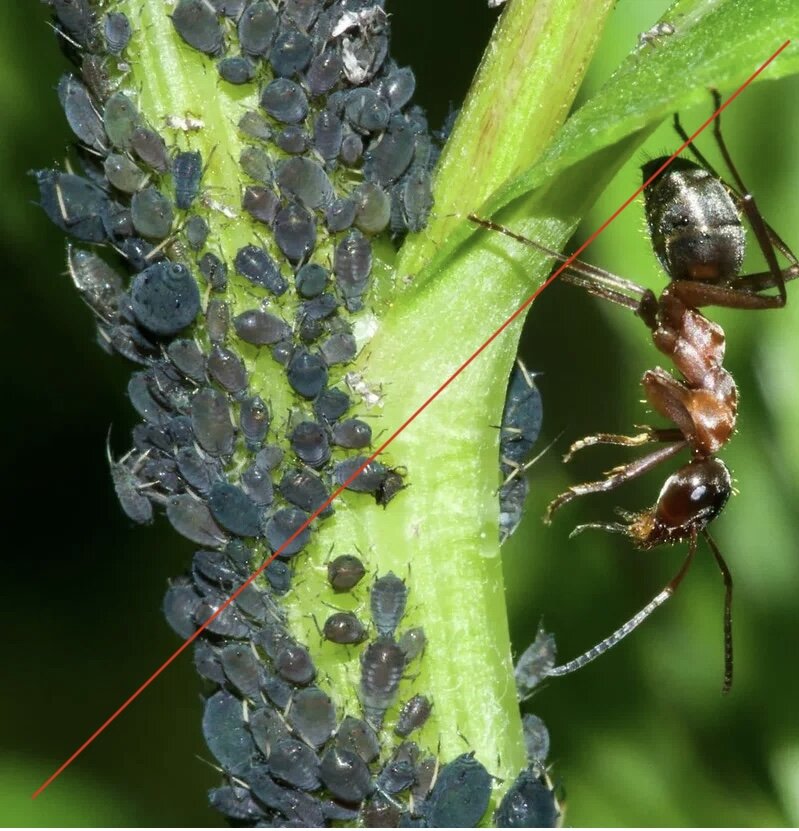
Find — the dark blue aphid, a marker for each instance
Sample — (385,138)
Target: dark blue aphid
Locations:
(306,373)
(234,510)
(293,139)
(257,484)
(331,405)
(281,526)
(197,231)
(399,772)
(257,28)
(260,269)
(254,419)
(187,356)
(152,213)
(227,369)
(260,203)
(352,264)
(196,22)
(236,70)
(352,434)
(260,328)
(306,181)
(284,101)
(214,271)
(324,72)
(303,488)
(521,417)
(73,204)
(290,53)
(312,716)
(191,519)
(367,481)
(382,665)
(412,715)
(387,600)
(295,231)
(254,125)
(345,572)
(211,422)
(150,147)
(117,31)
(226,733)
(165,298)
(345,775)
(357,736)
(309,441)
(294,763)
(187,170)
(311,280)
(344,628)
(242,669)
(180,604)
(528,803)
(82,117)
(460,795)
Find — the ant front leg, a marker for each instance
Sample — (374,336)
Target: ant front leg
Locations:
(650,435)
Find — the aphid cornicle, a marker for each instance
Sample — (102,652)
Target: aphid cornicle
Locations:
(695,223)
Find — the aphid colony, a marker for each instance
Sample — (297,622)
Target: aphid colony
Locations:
(206,451)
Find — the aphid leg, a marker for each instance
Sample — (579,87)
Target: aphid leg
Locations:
(615,477)
(725,573)
(650,434)
(633,623)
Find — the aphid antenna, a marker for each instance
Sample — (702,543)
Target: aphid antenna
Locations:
(635,621)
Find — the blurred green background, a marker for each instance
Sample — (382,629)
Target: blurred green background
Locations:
(641,737)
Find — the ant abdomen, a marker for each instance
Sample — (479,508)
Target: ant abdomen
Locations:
(696,227)
(690,498)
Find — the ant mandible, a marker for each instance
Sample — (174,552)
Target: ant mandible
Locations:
(695,223)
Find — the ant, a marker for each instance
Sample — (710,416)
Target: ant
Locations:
(695,224)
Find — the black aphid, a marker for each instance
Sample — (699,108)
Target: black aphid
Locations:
(254,420)
(391,484)
(340,348)
(323,73)
(217,322)
(521,417)
(309,441)
(187,356)
(328,131)
(117,31)
(312,716)
(180,604)
(412,715)
(282,525)
(295,809)
(386,161)
(284,101)
(460,795)
(311,280)
(141,398)
(345,775)
(399,772)
(199,471)
(192,519)
(382,665)
(210,419)
(415,194)
(352,433)
(226,732)
(528,803)
(306,373)
(236,803)
(227,369)
(269,457)
(234,510)
(397,87)
(267,728)
(127,486)
(256,163)
(260,328)
(206,661)
(253,124)
(278,574)
(214,271)
(357,736)
(413,642)
(152,213)
(238,69)
(290,53)
(260,269)
(294,763)
(196,22)
(367,481)
(242,668)
(373,208)
(187,170)
(295,231)
(352,264)
(293,139)
(344,628)
(340,214)
(76,17)
(257,484)
(380,812)
(351,149)
(305,180)
(123,173)
(165,298)
(120,118)
(331,404)
(98,284)
(260,203)
(257,28)
(197,231)
(387,600)
(366,111)
(82,117)
(345,572)
(150,147)
(73,204)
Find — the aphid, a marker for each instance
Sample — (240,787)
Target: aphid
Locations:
(366,111)
(399,772)
(284,524)
(331,404)
(305,489)
(257,28)
(358,737)
(214,271)
(180,604)
(255,125)
(187,170)
(241,668)
(309,441)
(412,715)
(512,496)
(340,348)
(260,269)
(328,131)
(254,420)
(206,661)
(293,662)
(142,400)
(290,53)
(284,101)
(94,72)
(305,180)
(98,284)
(120,119)
(528,803)
(380,812)
(277,690)
(151,148)
(236,803)
(382,665)
(351,148)
(217,322)
(295,231)
(460,795)
(197,24)
(294,763)
(210,420)
(117,31)
(373,208)
(412,643)
(257,484)
(229,623)
(310,280)
(192,519)
(187,356)
(278,574)
(536,739)
(234,510)
(534,664)
(152,213)
(165,298)
(390,485)
(197,231)
(306,373)
(323,73)
(340,214)
(397,87)
(256,164)
(260,203)
(84,120)
(267,728)
(73,204)
(352,264)
(127,486)
(387,160)
(345,572)
(312,716)
(345,775)
(344,628)
(299,809)
(387,600)
(521,418)
(123,173)
(199,471)
(694,220)
(227,369)
(351,433)
(269,457)
(225,732)
(237,69)
(415,193)
(293,139)
(367,481)
(77,19)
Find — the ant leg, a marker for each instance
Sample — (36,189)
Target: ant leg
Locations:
(725,573)
(617,476)
(650,434)
(633,623)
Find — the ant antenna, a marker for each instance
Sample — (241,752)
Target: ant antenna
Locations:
(635,622)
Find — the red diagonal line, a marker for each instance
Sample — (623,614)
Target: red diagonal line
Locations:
(405,423)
